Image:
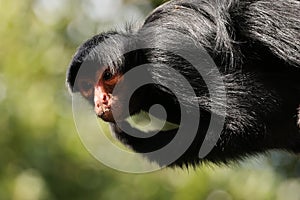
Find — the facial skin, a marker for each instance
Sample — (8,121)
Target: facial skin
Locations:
(98,90)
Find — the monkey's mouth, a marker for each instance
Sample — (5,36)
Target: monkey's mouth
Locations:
(103,112)
(106,115)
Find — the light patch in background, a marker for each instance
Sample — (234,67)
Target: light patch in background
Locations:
(100,16)
(29,185)
(102,10)
(114,10)
(50,12)
(80,27)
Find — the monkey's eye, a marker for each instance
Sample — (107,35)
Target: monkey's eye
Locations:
(86,87)
(107,75)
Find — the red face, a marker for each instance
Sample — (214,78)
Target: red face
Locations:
(99,89)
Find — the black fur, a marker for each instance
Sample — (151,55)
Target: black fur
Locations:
(256,47)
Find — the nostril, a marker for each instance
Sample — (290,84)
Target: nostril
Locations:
(104,97)
(98,105)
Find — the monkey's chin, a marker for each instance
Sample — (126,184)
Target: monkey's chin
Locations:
(107,116)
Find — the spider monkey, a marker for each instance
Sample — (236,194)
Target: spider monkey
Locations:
(255,45)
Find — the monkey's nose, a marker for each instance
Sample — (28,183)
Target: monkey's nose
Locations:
(104,98)
(101,108)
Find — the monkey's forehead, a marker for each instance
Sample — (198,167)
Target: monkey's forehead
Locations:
(107,51)
(100,52)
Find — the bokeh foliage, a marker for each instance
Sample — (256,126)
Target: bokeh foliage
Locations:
(41,154)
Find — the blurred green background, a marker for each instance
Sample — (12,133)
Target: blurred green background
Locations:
(41,155)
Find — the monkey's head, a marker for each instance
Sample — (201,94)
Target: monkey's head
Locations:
(98,66)
(94,72)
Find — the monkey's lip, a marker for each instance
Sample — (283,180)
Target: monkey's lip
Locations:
(106,115)
(105,110)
